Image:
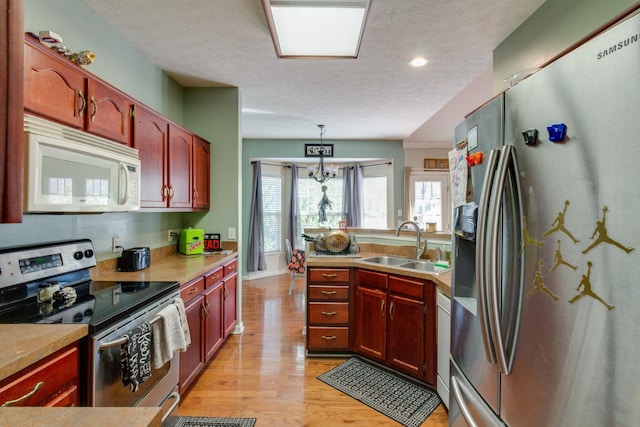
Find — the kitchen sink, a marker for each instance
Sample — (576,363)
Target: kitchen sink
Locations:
(411,264)
(387,260)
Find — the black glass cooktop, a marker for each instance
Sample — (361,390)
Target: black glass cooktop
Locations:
(95,303)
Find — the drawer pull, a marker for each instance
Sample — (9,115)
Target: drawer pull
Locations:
(329,292)
(329,313)
(329,276)
(382,308)
(329,338)
(37,387)
(193,291)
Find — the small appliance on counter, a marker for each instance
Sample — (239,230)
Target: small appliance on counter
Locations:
(134,259)
(191,241)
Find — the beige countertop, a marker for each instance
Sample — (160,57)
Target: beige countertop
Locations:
(443,280)
(165,266)
(23,345)
(81,417)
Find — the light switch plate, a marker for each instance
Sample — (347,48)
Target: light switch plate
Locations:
(231,233)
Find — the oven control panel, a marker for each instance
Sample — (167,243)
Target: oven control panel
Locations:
(29,263)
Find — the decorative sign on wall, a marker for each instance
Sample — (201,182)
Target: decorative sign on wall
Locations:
(436,164)
(315,150)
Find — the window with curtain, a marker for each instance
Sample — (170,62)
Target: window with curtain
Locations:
(272,208)
(309,195)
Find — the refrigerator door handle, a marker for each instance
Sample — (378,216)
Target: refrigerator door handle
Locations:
(481,262)
(507,165)
(462,405)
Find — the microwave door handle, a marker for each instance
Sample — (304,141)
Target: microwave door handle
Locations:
(481,261)
(125,198)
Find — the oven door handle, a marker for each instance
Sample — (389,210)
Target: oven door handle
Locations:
(176,396)
(110,344)
(123,340)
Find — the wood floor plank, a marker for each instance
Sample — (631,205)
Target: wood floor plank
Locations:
(264,373)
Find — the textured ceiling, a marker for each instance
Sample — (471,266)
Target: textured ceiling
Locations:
(377,96)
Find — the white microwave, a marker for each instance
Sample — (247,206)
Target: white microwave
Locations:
(67,170)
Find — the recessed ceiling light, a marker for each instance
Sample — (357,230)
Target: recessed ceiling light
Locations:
(419,61)
(312,28)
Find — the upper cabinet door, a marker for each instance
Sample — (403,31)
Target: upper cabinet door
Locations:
(151,138)
(201,173)
(53,88)
(180,167)
(11,110)
(108,113)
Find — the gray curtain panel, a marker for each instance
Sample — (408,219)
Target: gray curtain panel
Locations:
(294,231)
(347,173)
(353,200)
(255,247)
(357,196)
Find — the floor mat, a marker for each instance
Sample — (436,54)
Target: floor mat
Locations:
(208,422)
(389,393)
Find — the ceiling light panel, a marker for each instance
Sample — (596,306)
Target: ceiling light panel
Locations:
(316,28)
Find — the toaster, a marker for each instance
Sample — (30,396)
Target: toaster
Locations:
(134,259)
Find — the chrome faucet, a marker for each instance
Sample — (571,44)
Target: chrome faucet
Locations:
(419,250)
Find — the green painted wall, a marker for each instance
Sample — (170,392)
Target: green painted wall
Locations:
(213,113)
(555,26)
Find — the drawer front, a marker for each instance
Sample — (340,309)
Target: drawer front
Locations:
(230,267)
(323,338)
(213,277)
(408,287)
(35,385)
(336,313)
(192,289)
(372,279)
(329,275)
(328,293)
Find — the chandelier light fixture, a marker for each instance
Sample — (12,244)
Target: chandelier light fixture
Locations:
(320,172)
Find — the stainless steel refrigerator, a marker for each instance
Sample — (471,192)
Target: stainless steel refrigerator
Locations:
(545,327)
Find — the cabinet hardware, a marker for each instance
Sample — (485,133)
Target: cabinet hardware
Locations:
(203,310)
(329,292)
(329,338)
(171,192)
(84,103)
(193,291)
(391,310)
(329,313)
(226,292)
(95,109)
(37,387)
(329,276)
(382,308)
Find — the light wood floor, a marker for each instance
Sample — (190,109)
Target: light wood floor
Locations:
(264,373)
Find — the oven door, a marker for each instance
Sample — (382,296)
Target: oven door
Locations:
(106,388)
